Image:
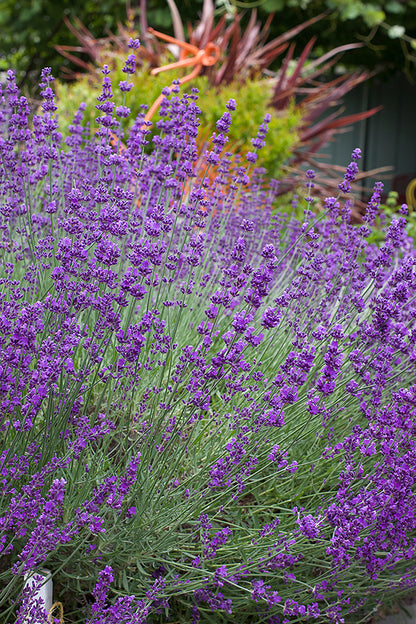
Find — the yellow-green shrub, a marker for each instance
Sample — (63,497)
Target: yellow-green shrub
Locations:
(252,104)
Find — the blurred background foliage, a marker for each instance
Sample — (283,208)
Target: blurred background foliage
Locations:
(31,29)
(302,101)
(253,99)
(308,54)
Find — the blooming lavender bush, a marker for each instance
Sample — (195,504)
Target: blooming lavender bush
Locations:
(207,414)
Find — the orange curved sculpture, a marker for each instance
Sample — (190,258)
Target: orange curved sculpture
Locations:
(205,57)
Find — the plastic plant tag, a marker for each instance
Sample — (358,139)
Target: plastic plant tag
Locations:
(45,591)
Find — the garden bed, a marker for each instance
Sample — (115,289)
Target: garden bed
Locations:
(208,408)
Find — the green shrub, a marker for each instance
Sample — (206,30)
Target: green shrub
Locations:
(252,99)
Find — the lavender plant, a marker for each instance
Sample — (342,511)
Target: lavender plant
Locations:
(206,413)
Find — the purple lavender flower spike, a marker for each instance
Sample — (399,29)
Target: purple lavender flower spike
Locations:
(351,172)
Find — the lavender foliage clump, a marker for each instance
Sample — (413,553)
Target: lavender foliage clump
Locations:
(204,407)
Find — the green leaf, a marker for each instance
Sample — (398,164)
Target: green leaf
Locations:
(273,5)
(373,15)
(350,11)
(394,7)
(125,582)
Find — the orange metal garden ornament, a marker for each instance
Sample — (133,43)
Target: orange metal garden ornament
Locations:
(200,58)
(205,57)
